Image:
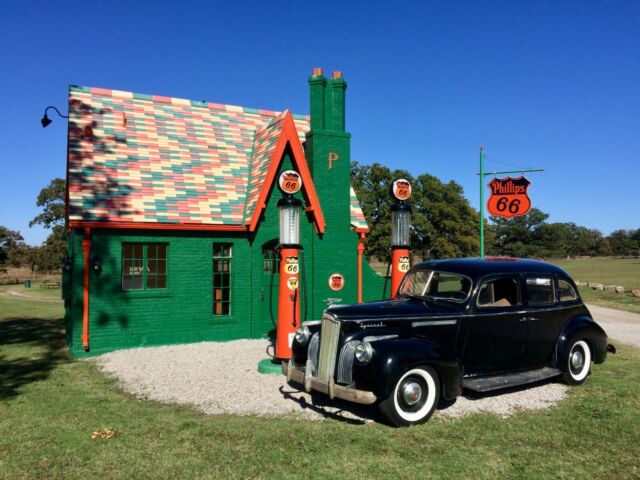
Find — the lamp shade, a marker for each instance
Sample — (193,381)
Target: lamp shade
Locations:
(400,225)
(289,208)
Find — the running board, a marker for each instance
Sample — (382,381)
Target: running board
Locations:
(496,382)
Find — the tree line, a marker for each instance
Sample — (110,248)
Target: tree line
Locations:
(443,225)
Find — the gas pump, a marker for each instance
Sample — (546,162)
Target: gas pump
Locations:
(400,234)
(288,253)
(289,288)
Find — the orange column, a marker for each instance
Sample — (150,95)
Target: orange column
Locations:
(399,267)
(288,302)
(360,252)
(86,251)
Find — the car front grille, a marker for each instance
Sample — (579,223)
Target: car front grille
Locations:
(345,362)
(329,336)
(312,353)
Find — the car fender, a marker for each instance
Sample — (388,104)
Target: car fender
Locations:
(582,327)
(392,357)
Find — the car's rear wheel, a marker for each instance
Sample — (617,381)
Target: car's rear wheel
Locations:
(414,397)
(577,362)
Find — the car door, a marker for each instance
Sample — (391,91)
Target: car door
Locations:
(544,318)
(496,333)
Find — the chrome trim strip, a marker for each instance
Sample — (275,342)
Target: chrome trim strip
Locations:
(434,323)
(310,323)
(376,338)
(345,362)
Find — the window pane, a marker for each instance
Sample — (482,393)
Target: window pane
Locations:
(161,266)
(127,250)
(151,281)
(162,251)
(151,251)
(501,292)
(567,293)
(127,282)
(137,251)
(161,281)
(540,291)
(221,266)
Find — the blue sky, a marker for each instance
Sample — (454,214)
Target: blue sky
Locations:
(553,85)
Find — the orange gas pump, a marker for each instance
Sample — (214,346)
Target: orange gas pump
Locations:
(400,234)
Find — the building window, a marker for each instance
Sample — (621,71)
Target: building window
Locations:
(144,266)
(221,279)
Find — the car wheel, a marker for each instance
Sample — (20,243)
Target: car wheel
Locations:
(577,363)
(414,397)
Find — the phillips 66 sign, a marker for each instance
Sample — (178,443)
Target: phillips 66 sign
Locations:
(509,197)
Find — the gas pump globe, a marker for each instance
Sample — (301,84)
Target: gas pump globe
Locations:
(400,234)
(289,208)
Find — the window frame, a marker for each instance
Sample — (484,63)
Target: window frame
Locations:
(145,268)
(229,286)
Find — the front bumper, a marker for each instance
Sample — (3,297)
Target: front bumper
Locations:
(298,375)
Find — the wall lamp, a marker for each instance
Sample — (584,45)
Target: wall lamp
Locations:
(45,121)
(97,264)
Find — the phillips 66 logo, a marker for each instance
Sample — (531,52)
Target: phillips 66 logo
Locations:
(509,197)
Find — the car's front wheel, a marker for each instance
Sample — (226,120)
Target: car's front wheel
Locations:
(577,363)
(414,397)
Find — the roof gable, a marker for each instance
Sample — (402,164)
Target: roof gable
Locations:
(271,143)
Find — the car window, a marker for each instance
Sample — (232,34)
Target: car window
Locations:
(567,292)
(500,292)
(540,291)
(436,285)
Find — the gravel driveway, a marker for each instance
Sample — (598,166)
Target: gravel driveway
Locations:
(218,378)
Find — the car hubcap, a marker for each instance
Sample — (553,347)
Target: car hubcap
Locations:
(412,393)
(577,360)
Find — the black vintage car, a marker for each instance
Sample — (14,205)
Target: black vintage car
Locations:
(479,324)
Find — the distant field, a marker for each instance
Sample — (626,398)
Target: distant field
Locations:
(610,271)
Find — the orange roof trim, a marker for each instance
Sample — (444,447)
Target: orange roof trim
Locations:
(289,135)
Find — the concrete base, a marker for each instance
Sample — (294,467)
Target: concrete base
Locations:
(270,366)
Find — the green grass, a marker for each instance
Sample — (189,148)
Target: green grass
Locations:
(609,271)
(49,406)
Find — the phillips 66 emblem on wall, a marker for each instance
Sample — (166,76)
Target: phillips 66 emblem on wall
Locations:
(509,197)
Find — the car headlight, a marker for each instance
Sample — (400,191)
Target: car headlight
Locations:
(364,352)
(302,335)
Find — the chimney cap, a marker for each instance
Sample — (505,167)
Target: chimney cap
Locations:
(317,71)
(337,74)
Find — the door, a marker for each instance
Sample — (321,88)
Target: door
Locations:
(544,319)
(496,333)
(269,284)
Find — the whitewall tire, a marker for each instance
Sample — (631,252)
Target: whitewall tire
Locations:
(414,397)
(577,363)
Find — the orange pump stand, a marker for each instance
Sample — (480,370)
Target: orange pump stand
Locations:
(288,302)
(399,267)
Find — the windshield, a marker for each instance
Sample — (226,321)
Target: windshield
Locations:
(436,285)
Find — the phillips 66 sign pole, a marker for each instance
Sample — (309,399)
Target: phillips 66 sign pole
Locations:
(508,195)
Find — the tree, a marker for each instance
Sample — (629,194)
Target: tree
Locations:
(443,222)
(10,241)
(519,236)
(51,199)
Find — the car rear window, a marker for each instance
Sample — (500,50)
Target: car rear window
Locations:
(567,292)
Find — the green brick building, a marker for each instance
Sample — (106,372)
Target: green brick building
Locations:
(173,222)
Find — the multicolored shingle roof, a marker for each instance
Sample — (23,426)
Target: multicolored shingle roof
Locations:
(152,159)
